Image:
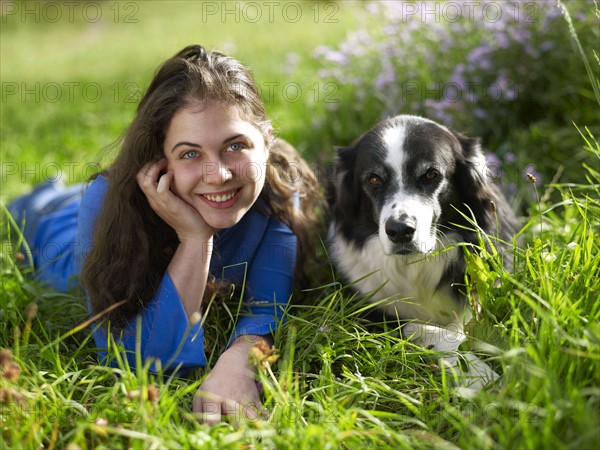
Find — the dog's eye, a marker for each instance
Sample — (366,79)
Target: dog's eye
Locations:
(431,174)
(375,180)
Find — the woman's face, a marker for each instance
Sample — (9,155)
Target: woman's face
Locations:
(219,161)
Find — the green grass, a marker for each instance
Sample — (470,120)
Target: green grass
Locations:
(339,383)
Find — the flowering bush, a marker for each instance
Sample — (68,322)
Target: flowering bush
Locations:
(505,71)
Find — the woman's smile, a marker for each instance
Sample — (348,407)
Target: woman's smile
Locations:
(221,199)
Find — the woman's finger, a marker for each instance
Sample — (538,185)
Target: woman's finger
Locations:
(231,409)
(148,179)
(148,174)
(210,411)
(250,412)
(164,183)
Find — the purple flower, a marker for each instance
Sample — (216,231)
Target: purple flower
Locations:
(386,77)
(492,46)
(438,110)
(510,158)
(480,113)
(336,57)
(458,77)
(478,53)
(492,158)
(522,35)
(357,44)
(502,40)
(320,51)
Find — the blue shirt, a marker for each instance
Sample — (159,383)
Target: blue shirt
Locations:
(259,252)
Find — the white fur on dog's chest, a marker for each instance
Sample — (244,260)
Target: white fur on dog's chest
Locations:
(409,282)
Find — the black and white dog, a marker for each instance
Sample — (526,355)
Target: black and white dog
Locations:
(401,193)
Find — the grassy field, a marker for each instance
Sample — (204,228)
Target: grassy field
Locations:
(69,88)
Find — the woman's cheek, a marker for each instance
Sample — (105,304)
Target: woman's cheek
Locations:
(253,172)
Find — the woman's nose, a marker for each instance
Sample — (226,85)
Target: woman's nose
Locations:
(216,172)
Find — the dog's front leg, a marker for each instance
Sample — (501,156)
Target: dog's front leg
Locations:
(471,372)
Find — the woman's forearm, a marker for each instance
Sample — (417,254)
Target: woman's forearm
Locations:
(188,270)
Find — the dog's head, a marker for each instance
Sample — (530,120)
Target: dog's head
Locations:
(404,180)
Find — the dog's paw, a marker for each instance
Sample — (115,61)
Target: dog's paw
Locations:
(468,371)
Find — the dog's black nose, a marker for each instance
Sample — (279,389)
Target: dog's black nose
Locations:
(400,231)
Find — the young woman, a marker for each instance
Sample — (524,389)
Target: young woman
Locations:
(201,191)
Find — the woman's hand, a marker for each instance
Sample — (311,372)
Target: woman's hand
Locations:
(179,215)
(230,388)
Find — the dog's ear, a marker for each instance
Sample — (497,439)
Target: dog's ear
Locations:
(475,180)
(346,188)
(477,190)
(471,173)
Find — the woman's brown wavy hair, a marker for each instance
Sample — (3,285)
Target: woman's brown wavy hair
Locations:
(132,244)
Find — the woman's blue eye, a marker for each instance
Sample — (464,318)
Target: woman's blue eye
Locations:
(236,146)
(190,154)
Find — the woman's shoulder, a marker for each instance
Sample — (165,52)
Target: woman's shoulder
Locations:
(96,189)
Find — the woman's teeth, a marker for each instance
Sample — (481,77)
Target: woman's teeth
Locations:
(220,198)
